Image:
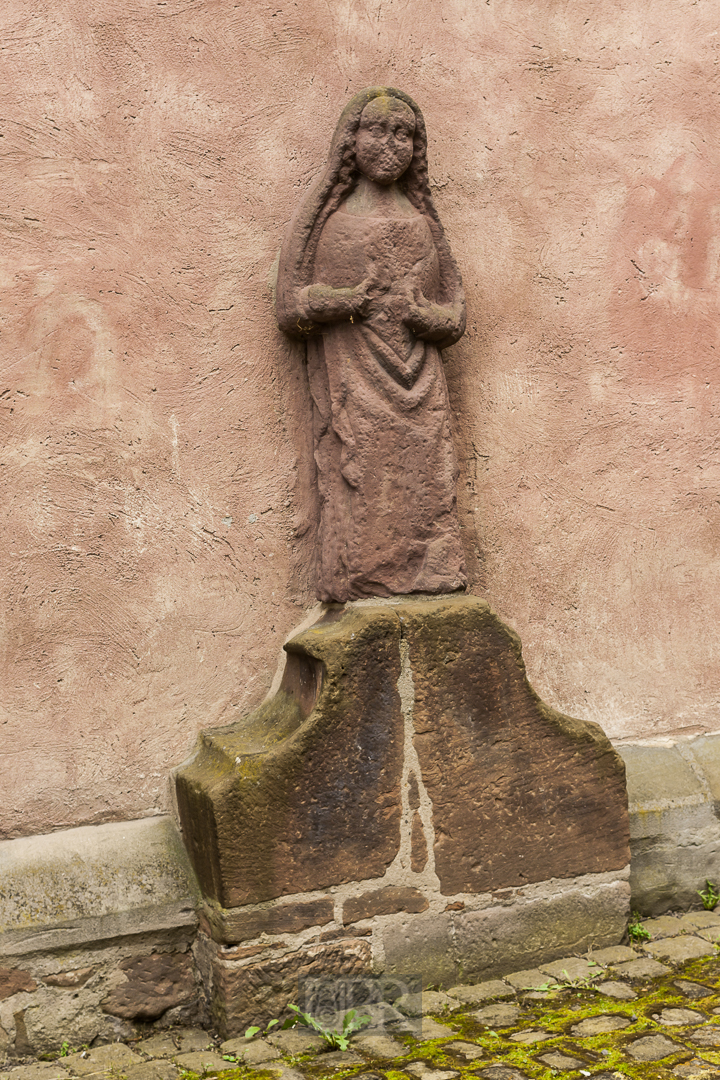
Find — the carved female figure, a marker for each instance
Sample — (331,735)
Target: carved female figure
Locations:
(367,277)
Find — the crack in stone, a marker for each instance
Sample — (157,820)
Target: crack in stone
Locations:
(412,770)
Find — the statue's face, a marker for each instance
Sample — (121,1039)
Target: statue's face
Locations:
(384,140)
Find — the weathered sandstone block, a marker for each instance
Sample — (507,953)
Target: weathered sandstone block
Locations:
(245,993)
(387,901)
(306,792)
(520,793)
(154,984)
(230,927)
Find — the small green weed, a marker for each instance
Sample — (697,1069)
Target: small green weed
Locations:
(66,1050)
(636,931)
(709,896)
(334,1039)
(251,1032)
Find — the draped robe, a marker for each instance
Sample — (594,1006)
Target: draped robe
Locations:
(383,447)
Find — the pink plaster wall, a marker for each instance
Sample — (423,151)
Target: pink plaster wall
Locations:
(154,432)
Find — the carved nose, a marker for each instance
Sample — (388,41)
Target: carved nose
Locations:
(390,147)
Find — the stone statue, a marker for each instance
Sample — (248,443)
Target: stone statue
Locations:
(367,277)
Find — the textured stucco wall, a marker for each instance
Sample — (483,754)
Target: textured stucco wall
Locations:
(154,425)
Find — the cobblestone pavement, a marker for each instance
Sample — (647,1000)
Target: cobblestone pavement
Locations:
(651,1013)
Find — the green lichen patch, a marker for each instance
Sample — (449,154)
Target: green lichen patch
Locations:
(604,1053)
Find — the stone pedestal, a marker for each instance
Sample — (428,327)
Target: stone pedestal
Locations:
(404,803)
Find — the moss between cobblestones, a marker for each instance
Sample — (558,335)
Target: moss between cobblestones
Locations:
(557,1014)
(600,1054)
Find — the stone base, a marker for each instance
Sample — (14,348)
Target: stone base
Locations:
(406,802)
(468,939)
(493,935)
(97,924)
(96,933)
(254,985)
(674,795)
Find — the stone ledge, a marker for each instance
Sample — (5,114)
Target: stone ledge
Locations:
(51,883)
(88,931)
(96,928)
(231,926)
(674,793)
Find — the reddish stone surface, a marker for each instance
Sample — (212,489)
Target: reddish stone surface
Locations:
(230,927)
(386,901)
(418,845)
(365,268)
(245,994)
(155,983)
(14,980)
(347,931)
(519,792)
(305,792)
(70,979)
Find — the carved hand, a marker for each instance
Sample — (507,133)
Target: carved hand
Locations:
(434,322)
(323,303)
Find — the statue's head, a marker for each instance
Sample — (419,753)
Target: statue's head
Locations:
(384,139)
